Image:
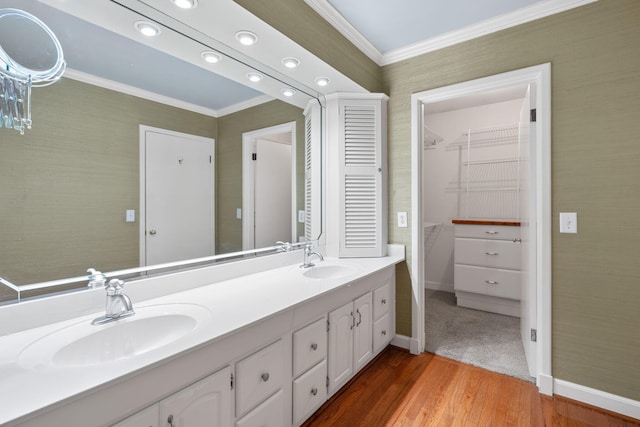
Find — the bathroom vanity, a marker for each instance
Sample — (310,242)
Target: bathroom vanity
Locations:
(266,348)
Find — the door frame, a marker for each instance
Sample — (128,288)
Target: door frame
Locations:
(540,76)
(248,180)
(143,129)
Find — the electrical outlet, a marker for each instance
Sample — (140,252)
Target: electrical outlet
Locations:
(301,215)
(130,215)
(239,213)
(402,220)
(568,222)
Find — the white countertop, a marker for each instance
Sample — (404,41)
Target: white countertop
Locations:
(233,305)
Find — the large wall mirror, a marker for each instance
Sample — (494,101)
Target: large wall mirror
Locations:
(71,192)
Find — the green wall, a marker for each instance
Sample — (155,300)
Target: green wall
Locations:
(67,182)
(594,53)
(229,164)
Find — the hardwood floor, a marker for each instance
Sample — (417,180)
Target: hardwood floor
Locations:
(399,389)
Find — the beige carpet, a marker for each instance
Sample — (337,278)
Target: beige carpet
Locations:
(488,340)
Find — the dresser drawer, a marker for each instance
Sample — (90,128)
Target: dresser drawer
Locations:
(496,232)
(487,281)
(382,300)
(487,253)
(259,376)
(309,346)
(382,333)
(309,392)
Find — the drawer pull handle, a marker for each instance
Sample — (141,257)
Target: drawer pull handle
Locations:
(384,332)
(314,346)
(491,253)
(265,377)
(491,282)
(384,301)
(170,420)
(491,232)
(314,391)
(517,240)
(353,320)
(359,317)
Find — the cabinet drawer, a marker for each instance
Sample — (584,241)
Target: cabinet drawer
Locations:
(309,346)
(146,418)
(309,392)
(487,253)
(488,281)
(268,414)
(495,232)
(381,300)
(382,333)
(259,376)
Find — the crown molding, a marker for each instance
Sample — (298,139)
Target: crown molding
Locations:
(530,13)
(244,105)
(501,22)
(140,93)
(333,17)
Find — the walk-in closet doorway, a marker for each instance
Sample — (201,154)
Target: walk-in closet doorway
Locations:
(472,161)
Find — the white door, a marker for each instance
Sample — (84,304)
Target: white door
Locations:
(363,331)
(527,221)
(206,403)
(340,357)
(272,197)
(178,199)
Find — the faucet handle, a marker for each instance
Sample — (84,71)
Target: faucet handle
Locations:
(115,286)
(96,278)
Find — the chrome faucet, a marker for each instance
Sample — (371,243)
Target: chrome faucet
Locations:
(308,254)
(118,303)
(96,279)
(284,246)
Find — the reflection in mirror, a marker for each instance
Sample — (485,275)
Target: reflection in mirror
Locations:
(72,192)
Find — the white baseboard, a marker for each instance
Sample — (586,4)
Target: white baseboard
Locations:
(601,399)
(401,341)
(545,384)
(437,286)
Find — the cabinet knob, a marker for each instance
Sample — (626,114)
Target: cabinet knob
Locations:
(384,301)
(491,232)
(170,420)
(314,346)
(152,232)
(491,253)
(314,391)
(491,282)
(265,377)
(384,332)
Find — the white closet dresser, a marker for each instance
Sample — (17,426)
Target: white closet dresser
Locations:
(487,265)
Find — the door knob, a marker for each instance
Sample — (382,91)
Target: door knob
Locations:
(152,232)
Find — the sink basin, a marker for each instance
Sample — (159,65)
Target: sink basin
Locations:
(329,271)
(84,344)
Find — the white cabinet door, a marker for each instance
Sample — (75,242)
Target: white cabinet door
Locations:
(340,363)
(206,403)
(362,332)
(145,418)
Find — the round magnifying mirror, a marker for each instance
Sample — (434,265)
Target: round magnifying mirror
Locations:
(28,47)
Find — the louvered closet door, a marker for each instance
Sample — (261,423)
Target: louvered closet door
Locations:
(362,172)
(312,171)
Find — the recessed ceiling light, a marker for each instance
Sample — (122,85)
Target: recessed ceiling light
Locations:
(210,57)
(185,4)
(147,28)
(254,77)
(322,81)
(246,38)
(288,92)
(291,62)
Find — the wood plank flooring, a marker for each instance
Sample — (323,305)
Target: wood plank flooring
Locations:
(400,389)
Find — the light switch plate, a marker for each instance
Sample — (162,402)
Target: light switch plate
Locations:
(301,215)
(402,219)
(130,216)
(568,222)
(239,213)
